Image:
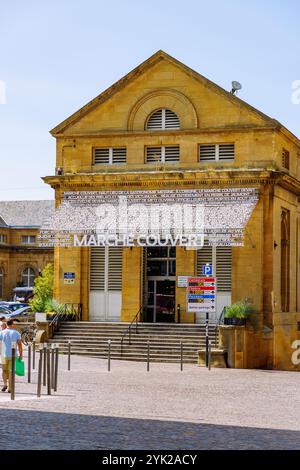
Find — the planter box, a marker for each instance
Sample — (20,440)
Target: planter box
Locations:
(235,321)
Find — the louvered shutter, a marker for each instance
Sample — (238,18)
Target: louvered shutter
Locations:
(163,119)
(285,156)
(101,156)
(155,121)
(119,155)
(115,268)
(172,154)
(204,255)
(207,153)
(223,267)
(216,152)
(171,120)
(97,268)
(154,154)
(226,152)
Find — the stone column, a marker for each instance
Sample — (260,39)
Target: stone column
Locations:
(67,260)
(185,266)
(131,282)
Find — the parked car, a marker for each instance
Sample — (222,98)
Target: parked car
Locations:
(13,305)
(22,314)
(22,294)
(4,311)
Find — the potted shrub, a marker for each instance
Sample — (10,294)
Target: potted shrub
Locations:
(52,308)
(237,314)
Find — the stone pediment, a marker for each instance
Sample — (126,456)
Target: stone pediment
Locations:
(162,81)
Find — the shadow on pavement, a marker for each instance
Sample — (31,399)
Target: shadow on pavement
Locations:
(44,430)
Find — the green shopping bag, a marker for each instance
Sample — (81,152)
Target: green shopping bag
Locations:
(20,367)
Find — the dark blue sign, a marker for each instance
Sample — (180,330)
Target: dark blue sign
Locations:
(69,275)
(207,269)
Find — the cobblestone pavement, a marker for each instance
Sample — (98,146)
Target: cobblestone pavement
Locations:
(165,408)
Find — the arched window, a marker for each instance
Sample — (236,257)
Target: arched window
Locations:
(1,283)
(28,276)
(162,119)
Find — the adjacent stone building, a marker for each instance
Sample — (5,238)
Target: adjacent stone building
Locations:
(165,126)
(21,257)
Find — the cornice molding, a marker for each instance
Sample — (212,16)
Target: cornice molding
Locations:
(170,180)
(180,132)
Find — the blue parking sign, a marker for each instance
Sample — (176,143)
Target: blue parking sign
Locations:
(207,269)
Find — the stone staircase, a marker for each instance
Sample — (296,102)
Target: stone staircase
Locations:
(91,339)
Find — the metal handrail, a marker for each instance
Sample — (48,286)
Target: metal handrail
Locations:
(221,317)
(128,331)
(77,311)
(54,320)
(54,324)
(219,321)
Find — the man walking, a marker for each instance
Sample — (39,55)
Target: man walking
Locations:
(3,323)
(2,327)
(8,337)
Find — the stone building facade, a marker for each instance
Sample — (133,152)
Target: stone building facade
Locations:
(21,257)
(164,126)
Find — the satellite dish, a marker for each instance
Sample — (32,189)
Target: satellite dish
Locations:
(235,87)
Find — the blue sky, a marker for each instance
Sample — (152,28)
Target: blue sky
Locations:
(55,56)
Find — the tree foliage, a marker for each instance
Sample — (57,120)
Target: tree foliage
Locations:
(43,289)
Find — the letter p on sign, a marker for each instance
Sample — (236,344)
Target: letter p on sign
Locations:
(207,269)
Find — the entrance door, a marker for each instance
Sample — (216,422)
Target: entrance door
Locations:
(161,277)
(105,283)
(161,301)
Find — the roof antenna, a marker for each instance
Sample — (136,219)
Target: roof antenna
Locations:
(236,86)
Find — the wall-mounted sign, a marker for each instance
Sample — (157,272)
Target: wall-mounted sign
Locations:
(182,281)
(201,294)
(207,269)
(69,278)
(180,217)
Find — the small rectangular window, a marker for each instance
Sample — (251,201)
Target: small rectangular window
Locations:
(285,159)
(226,152)
(119,155)
(165,154)
(172,154)
(216,153)
(110,156)
(207,153)
(28,239)
(3,238)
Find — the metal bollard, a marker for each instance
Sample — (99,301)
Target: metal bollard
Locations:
(69,355)
(13,372)
(40,367)
(48,372)
(108,363)
(206,337)
(178,313)
(148,356)
(209,355)
(52,365)
(181,356)
(33,355)
(45,363)
(29,363)
(56,368)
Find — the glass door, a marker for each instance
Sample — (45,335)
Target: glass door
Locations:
(161,276)
(164,308)
(161,301)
